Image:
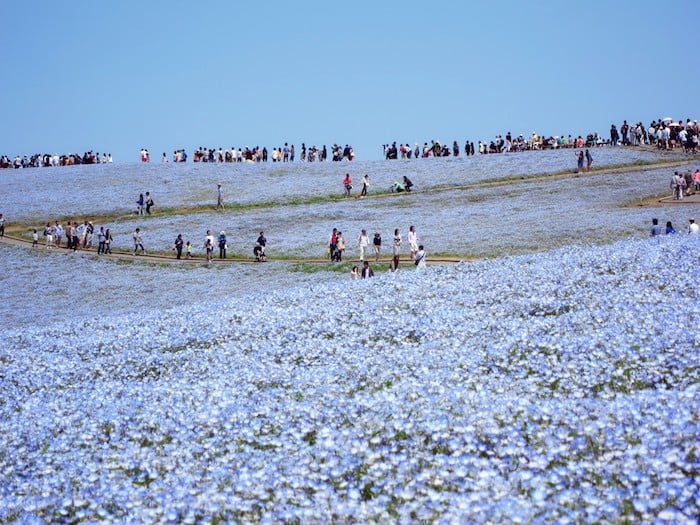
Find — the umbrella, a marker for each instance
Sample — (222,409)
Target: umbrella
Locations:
(667,119)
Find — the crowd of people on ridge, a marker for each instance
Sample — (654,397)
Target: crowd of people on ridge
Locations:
(286,153)
(47,160)
(663,133)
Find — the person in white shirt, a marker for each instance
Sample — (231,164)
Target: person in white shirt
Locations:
(363,241)
(693,227)
(420,257)
(413,241)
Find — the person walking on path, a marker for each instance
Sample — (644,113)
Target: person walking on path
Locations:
(149,203)
(138,241)
(179,243)
(222,245)
(333,244)
(365,185)
(363,242)
(101,241)
(219,197)
(58,234)
(377,246)
(108,241)
(347,184)
(677,183)
(48,235)
(75,236)
(413,241)
(339,246)
(139,205)
(396,250)
(209,245)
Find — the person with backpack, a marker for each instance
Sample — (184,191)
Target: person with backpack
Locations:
(149,203)
(222,245)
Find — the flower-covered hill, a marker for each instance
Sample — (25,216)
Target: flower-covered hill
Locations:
(560,386)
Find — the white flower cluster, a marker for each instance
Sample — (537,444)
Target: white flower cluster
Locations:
(557,387)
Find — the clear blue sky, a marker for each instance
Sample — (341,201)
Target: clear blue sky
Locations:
(120,75)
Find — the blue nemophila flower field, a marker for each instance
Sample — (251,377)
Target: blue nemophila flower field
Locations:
(557,386)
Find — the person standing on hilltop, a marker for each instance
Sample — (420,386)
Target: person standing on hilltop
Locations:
(614,135)
(625,129)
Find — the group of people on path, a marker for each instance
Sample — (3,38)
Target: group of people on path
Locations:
(211,243)
(79,236)
(347,185)
(396,187)
(682,182)
(337,247)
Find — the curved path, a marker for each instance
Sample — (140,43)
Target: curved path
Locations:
(159,257)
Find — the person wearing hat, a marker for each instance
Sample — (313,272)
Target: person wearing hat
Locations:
(222,245)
